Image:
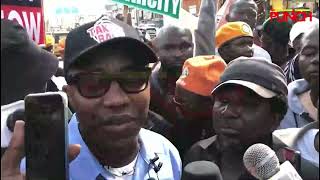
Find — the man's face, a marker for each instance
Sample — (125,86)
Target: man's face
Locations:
(241,117)
(241,46)
(278,52)
(191,106)
(174,48)
(309,59)
(245,12)
(115,117)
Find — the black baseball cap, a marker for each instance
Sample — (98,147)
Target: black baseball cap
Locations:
(264,78)
(105,33)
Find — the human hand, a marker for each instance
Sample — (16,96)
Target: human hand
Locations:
(10,161)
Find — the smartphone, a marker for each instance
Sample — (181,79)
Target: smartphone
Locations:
(46,136)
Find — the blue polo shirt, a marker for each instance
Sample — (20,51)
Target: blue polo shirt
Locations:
(87,167)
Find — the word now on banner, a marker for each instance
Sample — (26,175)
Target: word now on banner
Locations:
(29,14)
(166,7)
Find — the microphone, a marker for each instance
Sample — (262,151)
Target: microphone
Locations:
(201,170)
(262,162)
(156,168)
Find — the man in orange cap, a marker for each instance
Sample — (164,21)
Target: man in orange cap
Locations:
(192,98)
(234,39)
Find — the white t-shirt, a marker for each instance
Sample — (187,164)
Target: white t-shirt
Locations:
(306,146)
(128,169)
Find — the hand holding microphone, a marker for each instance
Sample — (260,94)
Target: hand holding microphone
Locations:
(261,161)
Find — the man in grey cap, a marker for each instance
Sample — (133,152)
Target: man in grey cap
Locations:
(247,108)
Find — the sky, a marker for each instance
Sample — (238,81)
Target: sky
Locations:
(61,7)
(66,11)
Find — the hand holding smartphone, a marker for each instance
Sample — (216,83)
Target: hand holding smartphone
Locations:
(46,136)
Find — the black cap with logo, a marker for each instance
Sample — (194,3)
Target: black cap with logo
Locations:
(105,33)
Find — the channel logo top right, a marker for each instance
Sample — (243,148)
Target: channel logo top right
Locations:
(293,10)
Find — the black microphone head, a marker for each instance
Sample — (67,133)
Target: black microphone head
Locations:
(201,170)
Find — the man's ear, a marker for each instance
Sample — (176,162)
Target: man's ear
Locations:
(222,52)
(276,121)
(68,90)
(227,17)
(152,45)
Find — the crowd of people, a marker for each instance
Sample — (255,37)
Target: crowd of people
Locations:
(146,110)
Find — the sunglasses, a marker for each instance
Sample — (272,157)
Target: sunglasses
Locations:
(96,84)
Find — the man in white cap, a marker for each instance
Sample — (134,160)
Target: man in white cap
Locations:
(291,70)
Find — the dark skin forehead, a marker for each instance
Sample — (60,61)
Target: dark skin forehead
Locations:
(310,40)
(236,93)
(172,35)
(107,61)
(243,4)
(240,41)
(188,97)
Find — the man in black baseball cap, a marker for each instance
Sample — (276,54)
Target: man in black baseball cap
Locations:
(106,68)
(248,104)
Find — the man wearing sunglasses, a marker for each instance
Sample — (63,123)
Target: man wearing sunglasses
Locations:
(106,67)
(193,100)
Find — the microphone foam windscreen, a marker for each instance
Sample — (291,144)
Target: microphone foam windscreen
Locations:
(201,170)
(261,161)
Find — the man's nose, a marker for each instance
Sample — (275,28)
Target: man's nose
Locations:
(226,111)
(177,52)
(116,97)
(315,60)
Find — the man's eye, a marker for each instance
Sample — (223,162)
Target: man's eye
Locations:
(185,46)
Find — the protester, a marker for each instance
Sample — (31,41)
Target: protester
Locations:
(108,76)
(25,69)
(234,39)
(249,103)
(193,101)
(303,93)
(298,29)
(49,43)
(246,11)
(275,39)
(173,45)
(305,140)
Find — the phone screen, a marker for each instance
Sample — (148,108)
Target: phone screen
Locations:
(46,137)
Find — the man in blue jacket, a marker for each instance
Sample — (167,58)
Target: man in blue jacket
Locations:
(303,93)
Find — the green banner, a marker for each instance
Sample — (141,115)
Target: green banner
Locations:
(166,7)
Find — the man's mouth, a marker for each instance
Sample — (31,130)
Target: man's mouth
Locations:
(115,120)
(228,132)
(314,74)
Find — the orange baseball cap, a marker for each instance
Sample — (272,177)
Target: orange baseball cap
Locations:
(232,30)
(201,74)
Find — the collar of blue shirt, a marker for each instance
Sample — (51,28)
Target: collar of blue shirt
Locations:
(86,166)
